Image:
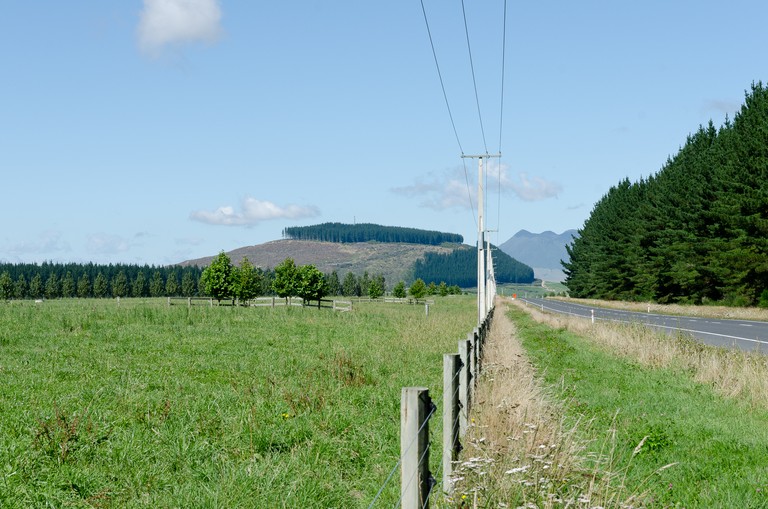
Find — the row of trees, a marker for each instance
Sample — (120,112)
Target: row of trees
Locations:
(459,267)
(31,280)
(366,232)
(696,231)
(220,280)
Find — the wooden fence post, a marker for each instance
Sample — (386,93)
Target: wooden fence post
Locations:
(472,339)
(464,383)
(415,482)
(451,446)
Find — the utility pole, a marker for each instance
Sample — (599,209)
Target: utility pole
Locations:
(482,273)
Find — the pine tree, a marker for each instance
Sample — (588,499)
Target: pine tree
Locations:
(83,286)
(156,285)
(100,286)
(6,286)
(68,285)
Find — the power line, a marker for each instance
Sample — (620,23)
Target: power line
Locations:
(440,75)
(474,81)
(501,113)
(503,62)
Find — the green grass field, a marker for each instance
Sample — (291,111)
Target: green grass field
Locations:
(652,434)
(145,405)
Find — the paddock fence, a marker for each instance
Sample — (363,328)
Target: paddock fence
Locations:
(461,371)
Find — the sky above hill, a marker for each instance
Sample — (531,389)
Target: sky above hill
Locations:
(164,130)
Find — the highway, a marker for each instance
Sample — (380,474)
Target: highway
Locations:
(743,334)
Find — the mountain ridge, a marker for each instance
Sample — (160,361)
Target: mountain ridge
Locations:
(542,251)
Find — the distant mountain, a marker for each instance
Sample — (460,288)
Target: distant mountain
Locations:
(542,251)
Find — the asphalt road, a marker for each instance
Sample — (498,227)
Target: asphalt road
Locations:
(743,334)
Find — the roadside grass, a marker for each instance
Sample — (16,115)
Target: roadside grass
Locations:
(145,405)
(730,372)
(651,436)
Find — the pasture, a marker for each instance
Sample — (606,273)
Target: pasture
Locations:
(146,405)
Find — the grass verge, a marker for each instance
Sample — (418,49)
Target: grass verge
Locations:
(652,436)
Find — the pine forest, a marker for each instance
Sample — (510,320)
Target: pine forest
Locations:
(694,232)
(367,232)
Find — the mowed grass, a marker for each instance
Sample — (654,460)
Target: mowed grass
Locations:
(653,436)
(145,405)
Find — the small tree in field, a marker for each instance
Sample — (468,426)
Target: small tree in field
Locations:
(188,284)
(21,288)
(120,285)
(418,289)
(246,281)
(100,286)
(6,286)
(156,285)
(83,286)
(286,279)
(172,284)
(36,286)
(310,284)
(68,285)
(399,290)
(375,289)
(217,277)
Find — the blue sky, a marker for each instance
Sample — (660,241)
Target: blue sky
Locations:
(157,131)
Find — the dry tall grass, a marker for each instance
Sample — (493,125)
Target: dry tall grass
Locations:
(517,453)
(723,312)
(732,373)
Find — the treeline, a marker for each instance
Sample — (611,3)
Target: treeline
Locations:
(697,231)
(365,232)
(54,280)
(459,267)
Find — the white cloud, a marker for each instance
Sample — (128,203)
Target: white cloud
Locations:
(457,189)
(103,243)
(720,106)
(47,242)
(252,212)
(167,23)
(535,188)
(440,192)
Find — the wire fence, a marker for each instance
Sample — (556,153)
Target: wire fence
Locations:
(418,484)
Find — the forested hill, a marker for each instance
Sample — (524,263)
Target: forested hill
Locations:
(696,231)
(366,232)
(459,267)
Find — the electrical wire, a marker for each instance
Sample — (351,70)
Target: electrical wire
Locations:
(474,81)
(440,75)
(501,116)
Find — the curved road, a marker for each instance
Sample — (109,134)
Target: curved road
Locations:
(742,334)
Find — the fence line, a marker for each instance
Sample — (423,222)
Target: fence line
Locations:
(188,300)
(460,374)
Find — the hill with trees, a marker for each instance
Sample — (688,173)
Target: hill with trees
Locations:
(697,231)
(459,267)
(367,232)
